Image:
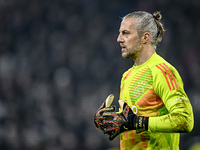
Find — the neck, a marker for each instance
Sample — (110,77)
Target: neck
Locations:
(144,55)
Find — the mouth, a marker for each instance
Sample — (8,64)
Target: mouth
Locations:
(123,48)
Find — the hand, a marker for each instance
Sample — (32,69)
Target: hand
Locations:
(115,123)
(98,118)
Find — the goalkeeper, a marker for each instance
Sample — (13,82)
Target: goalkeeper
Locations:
(154,108)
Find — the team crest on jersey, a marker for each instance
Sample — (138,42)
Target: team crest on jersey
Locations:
(139,90)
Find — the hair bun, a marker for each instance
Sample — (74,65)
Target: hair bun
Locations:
(157,15)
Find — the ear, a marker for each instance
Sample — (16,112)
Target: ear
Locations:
(146,37)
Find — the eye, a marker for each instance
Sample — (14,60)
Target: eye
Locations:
(125,32)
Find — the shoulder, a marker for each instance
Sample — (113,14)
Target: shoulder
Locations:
(160,65)
(165,73)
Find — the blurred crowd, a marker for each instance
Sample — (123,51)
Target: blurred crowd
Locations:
(59,60)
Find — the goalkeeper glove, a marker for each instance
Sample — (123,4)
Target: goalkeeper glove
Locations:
(115,123)
(98,118)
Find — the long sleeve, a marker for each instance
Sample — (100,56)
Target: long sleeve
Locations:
(180,120)
(169,87)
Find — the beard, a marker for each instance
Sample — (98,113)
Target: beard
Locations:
(132,53)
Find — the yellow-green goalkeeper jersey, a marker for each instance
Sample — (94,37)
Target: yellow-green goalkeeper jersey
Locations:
(155,89)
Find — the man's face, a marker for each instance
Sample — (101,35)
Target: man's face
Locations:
(129,39)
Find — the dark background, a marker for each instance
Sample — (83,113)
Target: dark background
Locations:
(59,60)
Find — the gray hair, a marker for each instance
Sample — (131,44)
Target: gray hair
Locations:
(146,22)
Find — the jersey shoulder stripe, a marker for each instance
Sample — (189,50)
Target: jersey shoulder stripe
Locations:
(171,76)
(168,76)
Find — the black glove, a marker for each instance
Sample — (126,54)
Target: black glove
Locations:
(98,118)
(115,123)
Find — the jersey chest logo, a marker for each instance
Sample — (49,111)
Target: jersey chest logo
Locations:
(139,90)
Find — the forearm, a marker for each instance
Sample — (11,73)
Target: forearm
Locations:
(173,122)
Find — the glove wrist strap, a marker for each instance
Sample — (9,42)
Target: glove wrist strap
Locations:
(141,123)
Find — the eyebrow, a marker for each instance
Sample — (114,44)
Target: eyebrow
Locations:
(124,31)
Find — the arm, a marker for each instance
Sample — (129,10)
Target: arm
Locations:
(168,86)
(114,123)
(180,119)
(171,123)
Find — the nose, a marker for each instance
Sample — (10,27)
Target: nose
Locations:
(120,38)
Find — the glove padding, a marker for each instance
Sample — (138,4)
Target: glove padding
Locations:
(115,123)
(105,107)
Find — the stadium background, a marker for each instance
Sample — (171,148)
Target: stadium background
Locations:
(59,60)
